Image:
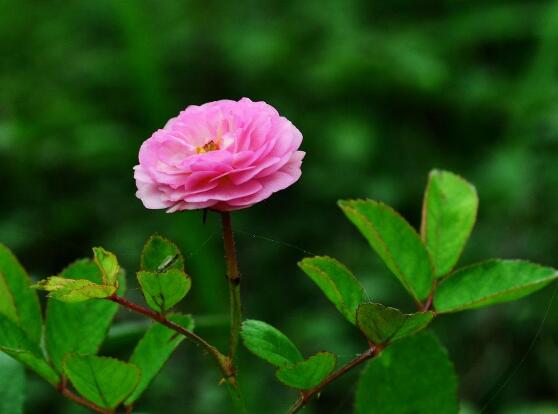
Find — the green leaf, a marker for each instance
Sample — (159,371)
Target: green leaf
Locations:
(269,343)
(413,324)
(24,298)
(160,254)
(395,241)
(448,216)
(382,324)
(12,386)
(491,282)
(108,264)
(104,381)
(78,327)
(337,282)
(7,305)
(308,373)
(154,349)
(15,342)
(164,290)
(73,290)
(378,322)
(411,376)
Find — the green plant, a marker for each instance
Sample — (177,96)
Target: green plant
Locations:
(409,371)
(406,363)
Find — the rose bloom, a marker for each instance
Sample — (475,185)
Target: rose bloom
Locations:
(222,155)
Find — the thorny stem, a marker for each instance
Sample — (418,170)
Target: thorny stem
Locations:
(371,352)
(198,340)
(306,396)
(223,361)
(63,390)
(233,277)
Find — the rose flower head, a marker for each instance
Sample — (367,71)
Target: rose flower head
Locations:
(223,155)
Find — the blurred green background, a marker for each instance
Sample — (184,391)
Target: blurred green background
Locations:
(383,91)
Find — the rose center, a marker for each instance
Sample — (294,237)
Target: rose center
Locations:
(210,146)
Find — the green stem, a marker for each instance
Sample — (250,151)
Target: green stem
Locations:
(233,277)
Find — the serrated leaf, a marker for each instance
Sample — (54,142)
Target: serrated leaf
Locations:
(108,264)
(15,342)
(448,217)
(164,290)
(308,373)
(491,282)
(269,343)
(382,324)
(104,381)
(337,282)
(12,385)
(160,254)
(395,241)
(414,375)
(413,324)
(154,349)
(78,327)
(73,290)
(24,298)
(378,322)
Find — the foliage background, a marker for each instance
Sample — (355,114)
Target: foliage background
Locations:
(383,91)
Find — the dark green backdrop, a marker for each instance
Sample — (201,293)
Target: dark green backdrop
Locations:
(382,91)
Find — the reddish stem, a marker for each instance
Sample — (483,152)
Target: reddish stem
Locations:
(233,277)
(306,396)
(63,390)
(222,360)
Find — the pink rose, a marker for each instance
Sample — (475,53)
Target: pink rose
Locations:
(223,155)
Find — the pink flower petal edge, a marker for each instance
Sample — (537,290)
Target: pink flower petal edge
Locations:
(224,155)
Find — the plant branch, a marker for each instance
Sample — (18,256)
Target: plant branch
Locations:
(233,277)
(63,390)
(429,301)
(306,396)
(222,360)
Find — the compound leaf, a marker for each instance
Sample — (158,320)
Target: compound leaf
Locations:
(395,241)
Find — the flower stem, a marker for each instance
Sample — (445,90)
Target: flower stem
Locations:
(306,396)
(233,277)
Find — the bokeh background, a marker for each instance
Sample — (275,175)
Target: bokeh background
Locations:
(383,91)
